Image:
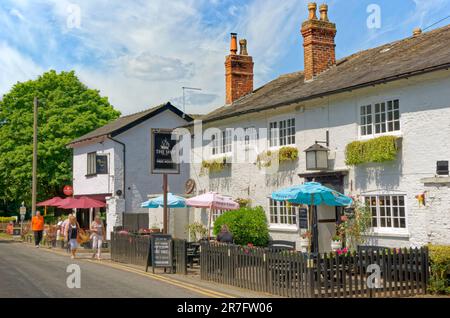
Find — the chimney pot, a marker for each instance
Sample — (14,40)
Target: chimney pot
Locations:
(417,31)
(233,45)
(243,45)
(312,7)
(318,42)
(324,12)
(238,71)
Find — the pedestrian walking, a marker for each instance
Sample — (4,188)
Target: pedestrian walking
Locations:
(225,235)
(64,226)
(71,235)
(37,225)
(97,236)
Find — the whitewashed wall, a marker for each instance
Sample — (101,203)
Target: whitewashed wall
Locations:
(425,128)
(139,181)
(99,184)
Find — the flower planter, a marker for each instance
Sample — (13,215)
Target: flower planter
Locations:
(303,245)
(336,245)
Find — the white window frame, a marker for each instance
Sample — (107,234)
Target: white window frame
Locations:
(278,128)
(226,144)
(373,102)
(250,138)
(272,204)
(388,230)
(215,213)
(215,145)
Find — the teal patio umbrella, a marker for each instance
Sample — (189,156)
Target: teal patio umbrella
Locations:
(312,194)
(173,201)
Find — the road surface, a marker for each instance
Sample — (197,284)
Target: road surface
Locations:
(29,272)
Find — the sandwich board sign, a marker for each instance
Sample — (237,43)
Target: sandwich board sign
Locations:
(160,254)
(163,152)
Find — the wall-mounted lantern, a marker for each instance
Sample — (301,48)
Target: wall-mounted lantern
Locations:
(317,157)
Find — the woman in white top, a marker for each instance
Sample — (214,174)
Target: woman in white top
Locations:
(97,236)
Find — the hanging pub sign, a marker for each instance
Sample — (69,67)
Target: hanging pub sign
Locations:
(163,156)
(303,218)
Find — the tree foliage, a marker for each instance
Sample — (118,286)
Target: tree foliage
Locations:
(67,110)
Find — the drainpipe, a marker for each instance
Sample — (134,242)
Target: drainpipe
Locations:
(124,147)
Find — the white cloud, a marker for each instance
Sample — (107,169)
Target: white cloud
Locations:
(15,67)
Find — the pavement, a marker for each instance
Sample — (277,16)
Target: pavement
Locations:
(26,271)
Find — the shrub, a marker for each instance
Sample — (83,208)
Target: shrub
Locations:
(197,231)
(284,154)
(440,269)
(379,150)
(7,219)
(248,225)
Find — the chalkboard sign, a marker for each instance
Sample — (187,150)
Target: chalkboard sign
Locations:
(162,154)
(161,255)
(303,218)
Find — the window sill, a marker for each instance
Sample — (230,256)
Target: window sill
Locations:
(91,175)
(283,228)
(389,233)
(394,133)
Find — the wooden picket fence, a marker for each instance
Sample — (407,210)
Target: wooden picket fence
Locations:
(129,248)
(402,273)
(134,249)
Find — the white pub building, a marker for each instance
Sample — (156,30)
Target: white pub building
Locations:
(401,89)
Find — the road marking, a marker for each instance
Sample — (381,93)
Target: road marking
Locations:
(191,287)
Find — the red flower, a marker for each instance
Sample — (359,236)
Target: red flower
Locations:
(344,218)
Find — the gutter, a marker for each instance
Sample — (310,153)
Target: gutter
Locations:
(333,92)
(124,147)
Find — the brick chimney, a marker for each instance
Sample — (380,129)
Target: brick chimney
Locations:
(319,46)
(238,71)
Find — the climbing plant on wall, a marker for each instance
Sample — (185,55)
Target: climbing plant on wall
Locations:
(381,149)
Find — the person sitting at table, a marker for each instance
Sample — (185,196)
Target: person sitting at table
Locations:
(225,236)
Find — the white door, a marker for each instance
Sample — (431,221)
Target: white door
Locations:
(326,216)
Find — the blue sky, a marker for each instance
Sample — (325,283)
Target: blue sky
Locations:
(140,53)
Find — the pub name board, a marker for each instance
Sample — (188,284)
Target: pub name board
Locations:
(162,149)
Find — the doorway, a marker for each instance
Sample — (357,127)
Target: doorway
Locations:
(328,217)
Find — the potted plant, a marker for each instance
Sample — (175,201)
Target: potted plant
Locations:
(154,229)
(336,243)
(305,240)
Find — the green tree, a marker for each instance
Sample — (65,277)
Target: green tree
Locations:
(68,109)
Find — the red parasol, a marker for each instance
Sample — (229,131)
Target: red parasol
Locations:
(81,203)
(56,201)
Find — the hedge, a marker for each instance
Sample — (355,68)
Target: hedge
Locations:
(378,150)
(439,269)
(248,226)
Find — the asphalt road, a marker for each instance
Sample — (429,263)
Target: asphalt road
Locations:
(29,272)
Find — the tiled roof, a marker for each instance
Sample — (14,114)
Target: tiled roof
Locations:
(126,122)
(412,56)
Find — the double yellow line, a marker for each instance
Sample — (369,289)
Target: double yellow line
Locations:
(191,287)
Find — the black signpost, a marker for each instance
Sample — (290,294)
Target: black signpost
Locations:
(163,161)
(160,254)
